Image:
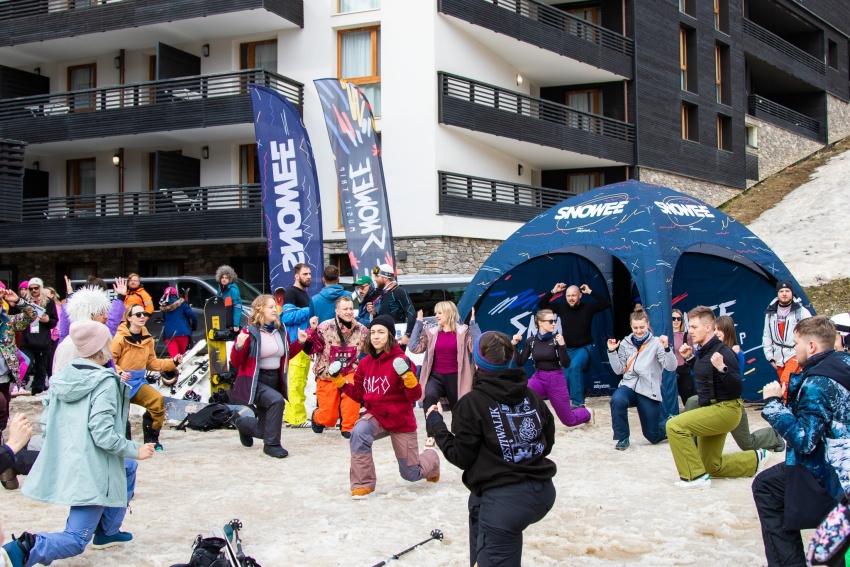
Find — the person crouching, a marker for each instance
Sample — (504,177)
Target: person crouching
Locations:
(386,385)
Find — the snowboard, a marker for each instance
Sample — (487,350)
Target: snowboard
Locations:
(218,318)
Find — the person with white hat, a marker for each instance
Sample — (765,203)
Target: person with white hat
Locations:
(36,341)
(391,299)
(91,465)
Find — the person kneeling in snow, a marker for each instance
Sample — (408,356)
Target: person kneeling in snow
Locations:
(501,433)
(386,384)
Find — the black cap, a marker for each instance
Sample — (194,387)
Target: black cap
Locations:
(384,321)
(783,284)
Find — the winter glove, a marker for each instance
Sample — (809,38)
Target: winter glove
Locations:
(334,372)
(402,367)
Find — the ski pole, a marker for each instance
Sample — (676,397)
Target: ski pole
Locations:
(435,534)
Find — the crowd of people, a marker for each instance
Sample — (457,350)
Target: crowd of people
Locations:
(94,366)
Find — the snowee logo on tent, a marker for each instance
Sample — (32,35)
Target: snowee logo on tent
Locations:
(682,211)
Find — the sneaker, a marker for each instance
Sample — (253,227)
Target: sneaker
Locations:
(434,478)
(763,456)
(9,479)
(703,481)
(346,434)
(17,551)
(16,391)
(361,493)
(302,425)
(622,444)
(430,443)
(103,541)
(275,451)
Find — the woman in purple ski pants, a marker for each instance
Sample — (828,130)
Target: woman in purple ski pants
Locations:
(548,353)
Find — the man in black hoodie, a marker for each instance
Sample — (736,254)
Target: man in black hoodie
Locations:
(501,434)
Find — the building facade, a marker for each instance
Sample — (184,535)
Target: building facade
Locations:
(139,136)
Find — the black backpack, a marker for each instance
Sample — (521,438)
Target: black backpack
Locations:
(212,416)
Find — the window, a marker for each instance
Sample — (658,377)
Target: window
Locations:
(344,6)
(578,183)
(249,173)
(585,101)
(590,15)
(690,128)
(160,269)
(721,15)
(687,60)
(752,136)
(359,62)
(82,77)
(259,55)
(342,262)
(688,7)
(9,276)
(724,133)
(832,53)
(197,294)
(80,271)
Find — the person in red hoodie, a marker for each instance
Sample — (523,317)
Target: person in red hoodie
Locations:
(386,384)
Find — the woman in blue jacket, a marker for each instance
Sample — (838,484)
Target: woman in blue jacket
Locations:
(180,322)
(226,278)
(86,461)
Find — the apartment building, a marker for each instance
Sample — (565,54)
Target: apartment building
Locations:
(139,137)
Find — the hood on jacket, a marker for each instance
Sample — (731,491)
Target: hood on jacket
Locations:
(333,292)
(78,380)
(796,303)
(509,386)
(835,366)
(395,352)
(173,304)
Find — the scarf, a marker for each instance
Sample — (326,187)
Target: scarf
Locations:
(544,337)
(639,342)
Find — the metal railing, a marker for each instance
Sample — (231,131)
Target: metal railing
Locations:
(465,195)
(567,23)
(518,103)
(753,29)
(171,200)
(24,8)
(756,103)
(183,89)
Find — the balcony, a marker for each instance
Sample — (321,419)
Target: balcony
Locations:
(167,216)
(781,54)
(201,101)
(575,50)
(11,179)
(549,135)
(49,29)
(477,197)
(784,117)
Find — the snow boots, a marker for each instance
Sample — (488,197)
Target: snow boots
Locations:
(151,434)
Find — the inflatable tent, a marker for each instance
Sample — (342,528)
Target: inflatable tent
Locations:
(634,238)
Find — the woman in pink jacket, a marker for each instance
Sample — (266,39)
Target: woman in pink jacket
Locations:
(447,368)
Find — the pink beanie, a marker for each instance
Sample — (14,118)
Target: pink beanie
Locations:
(89,337)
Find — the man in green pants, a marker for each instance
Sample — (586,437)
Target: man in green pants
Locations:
(718,385)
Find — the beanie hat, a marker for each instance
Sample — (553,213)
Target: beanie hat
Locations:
(384,270)
(2,285)
(483,363)
(384,321)
(24,284)
(89,337)
(35,281)
(783,284)
(87,302)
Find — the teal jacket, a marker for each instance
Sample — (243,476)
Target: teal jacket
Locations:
(83,423)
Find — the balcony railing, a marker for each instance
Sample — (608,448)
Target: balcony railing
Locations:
(184,89)
(467,196)
(178,200)
(776,42)
(512,102)
(758,106)
(567,23)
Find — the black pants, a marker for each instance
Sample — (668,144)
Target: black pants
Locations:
(685,382)
(783,548)
(269,404)
(37,369)
(5,399)
(498,517)
(440,386)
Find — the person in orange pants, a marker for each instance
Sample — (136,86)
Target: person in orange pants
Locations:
(338,339)
(780,320)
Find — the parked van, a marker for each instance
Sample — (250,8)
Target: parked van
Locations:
(426,291)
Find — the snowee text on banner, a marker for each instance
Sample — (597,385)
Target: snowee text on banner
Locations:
(357,157)
(291,206)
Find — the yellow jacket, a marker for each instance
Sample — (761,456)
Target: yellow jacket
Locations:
(137,356)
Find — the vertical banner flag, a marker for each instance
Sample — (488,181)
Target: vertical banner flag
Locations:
(291,207)
(360,174)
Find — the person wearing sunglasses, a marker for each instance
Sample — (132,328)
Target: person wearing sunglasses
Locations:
(36,341)
(548,353)
(133,353)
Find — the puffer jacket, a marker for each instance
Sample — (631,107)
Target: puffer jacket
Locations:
(82,460)
(816,422)
(180,320)
(131,356)
(140,297)
(9,325)
(232,291)
(644,374)
(780,347)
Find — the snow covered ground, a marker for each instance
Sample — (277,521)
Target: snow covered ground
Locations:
(613,507)
(807,229)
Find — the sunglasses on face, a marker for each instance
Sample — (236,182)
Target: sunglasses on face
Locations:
(677,318)
(139,314)
(550,321)
(34,288)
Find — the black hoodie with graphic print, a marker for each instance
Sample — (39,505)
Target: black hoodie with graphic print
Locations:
(501,432)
